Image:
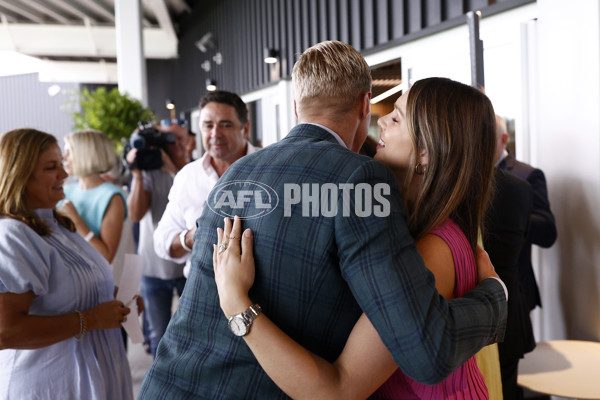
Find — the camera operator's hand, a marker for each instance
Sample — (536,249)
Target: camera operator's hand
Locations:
(167,164)
(130,158)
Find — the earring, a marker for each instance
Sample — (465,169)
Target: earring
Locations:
(420,169)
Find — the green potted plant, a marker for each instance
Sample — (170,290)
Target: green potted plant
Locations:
(111,112)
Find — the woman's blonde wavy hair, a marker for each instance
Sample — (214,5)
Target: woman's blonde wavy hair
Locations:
(20,150)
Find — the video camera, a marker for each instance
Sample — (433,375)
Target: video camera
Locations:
(148,141)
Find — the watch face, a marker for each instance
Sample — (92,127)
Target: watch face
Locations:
(237,326)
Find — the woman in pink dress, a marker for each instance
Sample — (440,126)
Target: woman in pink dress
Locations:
(439,142)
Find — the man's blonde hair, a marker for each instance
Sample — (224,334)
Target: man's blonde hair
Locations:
(330,73)
(91,152)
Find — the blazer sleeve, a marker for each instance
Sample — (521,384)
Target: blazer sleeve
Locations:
(428,336)
(542,223)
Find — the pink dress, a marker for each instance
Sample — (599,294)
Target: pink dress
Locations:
(467,381)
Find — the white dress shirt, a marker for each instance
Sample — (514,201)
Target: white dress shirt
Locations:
(187,199)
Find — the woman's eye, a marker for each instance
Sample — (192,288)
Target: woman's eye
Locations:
(395,120)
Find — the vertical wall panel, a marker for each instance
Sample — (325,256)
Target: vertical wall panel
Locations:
(314,22)
(290,37)
(238,30)
(343,19)
(381,22)
(476,5)
(256,31)
(397,18)
(277,29)
(265,23)
(355,25)
(323,19)
(452,9)
(334,16)
(414,15)
(305,17)
(432,12)
(297,25)
(368,24)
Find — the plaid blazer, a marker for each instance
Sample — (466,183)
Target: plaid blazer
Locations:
(316,271)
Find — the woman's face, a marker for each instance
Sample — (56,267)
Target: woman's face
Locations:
(395,147)
(68,160)
(45,186)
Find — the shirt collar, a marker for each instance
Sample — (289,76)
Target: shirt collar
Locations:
(502,157)
(335,135)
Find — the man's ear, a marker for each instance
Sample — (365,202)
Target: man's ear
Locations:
(365,108)
(504,139)
(246,129)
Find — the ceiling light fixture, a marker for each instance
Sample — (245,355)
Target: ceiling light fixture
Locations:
(211,85)
(271,56)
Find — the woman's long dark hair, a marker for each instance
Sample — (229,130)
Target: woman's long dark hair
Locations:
(455,124)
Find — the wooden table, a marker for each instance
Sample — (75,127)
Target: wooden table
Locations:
(565,368)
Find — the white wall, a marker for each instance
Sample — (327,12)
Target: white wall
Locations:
(568,150)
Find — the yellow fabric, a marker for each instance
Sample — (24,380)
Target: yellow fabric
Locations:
(489,364)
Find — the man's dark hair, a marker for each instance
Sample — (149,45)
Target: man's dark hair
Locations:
(232,99)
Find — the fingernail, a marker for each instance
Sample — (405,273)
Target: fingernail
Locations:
(248,232)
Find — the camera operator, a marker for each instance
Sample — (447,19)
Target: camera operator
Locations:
(155,159)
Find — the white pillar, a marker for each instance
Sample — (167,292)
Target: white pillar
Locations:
(131,63)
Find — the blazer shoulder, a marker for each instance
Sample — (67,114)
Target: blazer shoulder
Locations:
(518,168)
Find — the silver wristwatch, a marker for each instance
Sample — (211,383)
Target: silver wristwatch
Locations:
(240,324)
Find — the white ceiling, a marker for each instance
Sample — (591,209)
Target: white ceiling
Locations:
(71,33)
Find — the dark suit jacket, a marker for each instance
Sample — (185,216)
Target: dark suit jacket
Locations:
(507,223)
(315,274)
(542,229)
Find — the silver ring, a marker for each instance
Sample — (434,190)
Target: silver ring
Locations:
(223,247)
(234,237)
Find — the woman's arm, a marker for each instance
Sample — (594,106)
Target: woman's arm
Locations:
(111,228)
(364,364)
(437,257)
(20,330)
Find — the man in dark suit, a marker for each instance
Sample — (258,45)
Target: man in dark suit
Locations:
(507,223)
(542,227)
(331,241)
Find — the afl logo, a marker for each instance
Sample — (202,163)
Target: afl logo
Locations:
(246,199)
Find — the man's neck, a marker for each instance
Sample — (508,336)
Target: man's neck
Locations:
(345,130)
(220,165)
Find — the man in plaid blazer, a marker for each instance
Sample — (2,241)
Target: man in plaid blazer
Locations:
(331,241)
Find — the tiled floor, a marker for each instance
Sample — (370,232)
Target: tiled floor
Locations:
(139,362)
